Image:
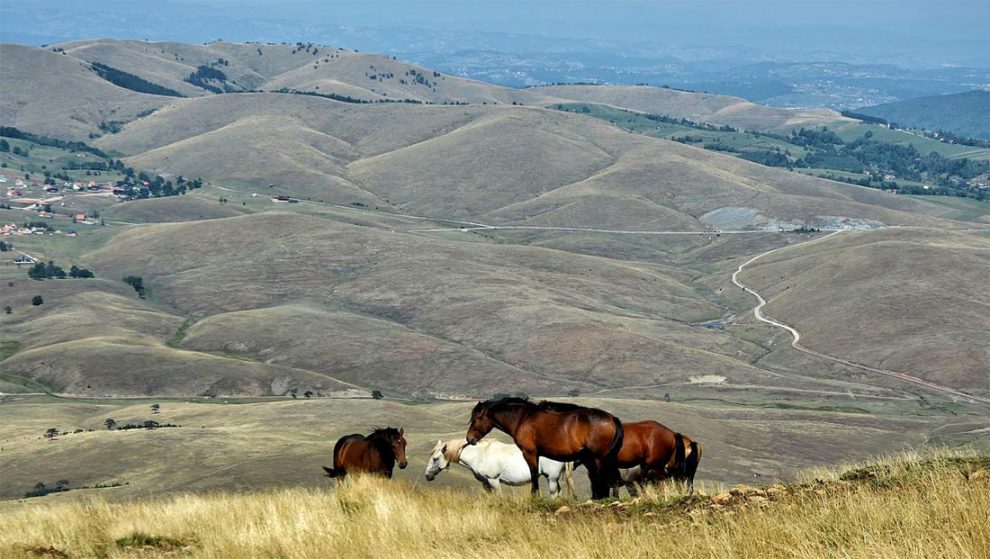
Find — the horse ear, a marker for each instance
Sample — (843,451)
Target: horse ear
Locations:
(401,431)
(444,449)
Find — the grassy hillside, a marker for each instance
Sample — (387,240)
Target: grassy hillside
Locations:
(924,290)
(697,107)
(504,312)
(965,114)
(480,162)
(316,69)
(58,95)
(900,508)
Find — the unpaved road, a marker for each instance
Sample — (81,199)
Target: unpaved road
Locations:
(796,336)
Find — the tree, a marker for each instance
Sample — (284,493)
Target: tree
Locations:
(377,394)
(150,424)
(308,394)
(574,393)
(51,433)
(666,397)
(8,309)
(4,146)
(62,485)
(37,300)
(80,273)
(137,282)
(110,423)
(155,408)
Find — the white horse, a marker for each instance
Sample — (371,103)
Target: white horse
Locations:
(494,463)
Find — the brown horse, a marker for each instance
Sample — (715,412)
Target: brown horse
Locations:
(653,452)
(377,453)
(561,432)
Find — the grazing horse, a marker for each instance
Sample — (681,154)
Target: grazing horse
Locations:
(651,452)
(377,453)
(561,432)
(494,463)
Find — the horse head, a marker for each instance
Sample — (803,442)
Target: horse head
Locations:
(481,423)
(438,462)
(399,449)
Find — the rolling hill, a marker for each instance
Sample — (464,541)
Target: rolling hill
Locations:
(450,249)
(219,67)
(965,114)
(923,290)
(720,110)
(57,95)
(512,165)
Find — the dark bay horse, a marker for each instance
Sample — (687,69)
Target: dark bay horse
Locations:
(561,432)
(376,453)
(657,453)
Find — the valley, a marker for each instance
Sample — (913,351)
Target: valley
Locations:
(448,241)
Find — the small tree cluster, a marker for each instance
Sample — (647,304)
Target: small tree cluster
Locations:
(137,282)
(52,271)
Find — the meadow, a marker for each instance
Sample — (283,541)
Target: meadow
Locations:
(901,507)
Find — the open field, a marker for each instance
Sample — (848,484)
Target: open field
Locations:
(280,442)
(901,507)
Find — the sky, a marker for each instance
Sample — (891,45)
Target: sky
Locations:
(950,31)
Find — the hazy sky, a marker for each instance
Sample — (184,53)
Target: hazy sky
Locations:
(953,30)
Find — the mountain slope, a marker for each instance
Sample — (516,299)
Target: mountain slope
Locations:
(903,300)
(518,165)
(697,107)
(58,95)
(966,114)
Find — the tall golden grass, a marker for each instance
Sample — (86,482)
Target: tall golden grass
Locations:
(900,508)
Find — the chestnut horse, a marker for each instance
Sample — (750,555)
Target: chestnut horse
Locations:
(657,453)
(561,432)
(377,453)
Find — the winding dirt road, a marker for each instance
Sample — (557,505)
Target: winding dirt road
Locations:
(796,336)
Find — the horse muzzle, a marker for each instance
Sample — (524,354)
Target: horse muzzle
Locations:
(430,477)
(402,465)
(471,440)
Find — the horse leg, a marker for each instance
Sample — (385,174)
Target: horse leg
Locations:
(496,484)
(595,477)
(553,484)
(485,482)
(533,461)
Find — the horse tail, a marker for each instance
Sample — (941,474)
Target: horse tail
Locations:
(677,471)
(613,449)
(691,465)
(336,471)
(569,479)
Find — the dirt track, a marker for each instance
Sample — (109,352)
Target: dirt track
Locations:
(796,336)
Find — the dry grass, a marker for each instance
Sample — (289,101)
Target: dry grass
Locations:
(934,507)
(917,298)
(699,107)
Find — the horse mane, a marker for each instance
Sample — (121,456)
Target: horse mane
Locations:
(383,437)
(547,405)
(506,401)
(454,449)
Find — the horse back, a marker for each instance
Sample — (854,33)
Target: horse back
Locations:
(646,442)
(565,435)
(354,453)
